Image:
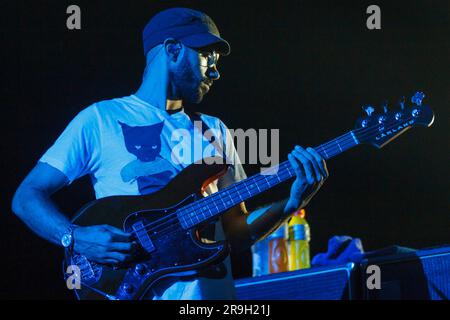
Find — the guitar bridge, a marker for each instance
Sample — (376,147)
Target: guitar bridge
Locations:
(143,237)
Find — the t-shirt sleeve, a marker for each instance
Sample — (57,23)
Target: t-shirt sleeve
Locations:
(76,151)
(235,171)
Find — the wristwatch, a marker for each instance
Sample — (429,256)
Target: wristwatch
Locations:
(67,239)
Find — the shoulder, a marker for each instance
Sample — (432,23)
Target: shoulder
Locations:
(127,106)
(86,117)
(112,105)
(213,122)
(99,112)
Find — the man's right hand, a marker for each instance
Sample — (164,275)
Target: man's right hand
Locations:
(104,244)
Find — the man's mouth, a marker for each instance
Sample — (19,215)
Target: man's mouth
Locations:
(207,82)
(205,85)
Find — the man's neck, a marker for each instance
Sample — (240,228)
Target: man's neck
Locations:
(173,105)
(152,93)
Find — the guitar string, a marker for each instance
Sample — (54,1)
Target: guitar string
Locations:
(236,190)
(172,228)
(232,191)
(256,178)
(323,146)
(345,145)
(159,225)
(209,199)
(170,218)
(236,185)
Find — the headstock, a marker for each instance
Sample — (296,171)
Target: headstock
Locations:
(380,128)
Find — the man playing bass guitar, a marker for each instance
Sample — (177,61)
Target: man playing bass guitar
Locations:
(126,146)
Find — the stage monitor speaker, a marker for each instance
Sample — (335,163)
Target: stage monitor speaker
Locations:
(321,283)
(419,275)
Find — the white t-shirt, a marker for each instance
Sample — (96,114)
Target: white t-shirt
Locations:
(129,147)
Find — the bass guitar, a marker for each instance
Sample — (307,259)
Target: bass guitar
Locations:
(165,223)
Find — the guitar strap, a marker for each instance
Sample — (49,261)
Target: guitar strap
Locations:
(206,132)
(209,231)
(218,271)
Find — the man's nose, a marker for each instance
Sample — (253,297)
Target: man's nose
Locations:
(212,73)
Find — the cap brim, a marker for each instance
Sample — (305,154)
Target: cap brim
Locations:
(207,39)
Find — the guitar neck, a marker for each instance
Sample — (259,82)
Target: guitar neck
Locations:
(214,205)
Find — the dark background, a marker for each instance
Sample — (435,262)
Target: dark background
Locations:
(305,67)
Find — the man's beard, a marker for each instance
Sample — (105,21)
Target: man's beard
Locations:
(187,84)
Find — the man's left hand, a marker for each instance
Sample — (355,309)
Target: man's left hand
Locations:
(311,171)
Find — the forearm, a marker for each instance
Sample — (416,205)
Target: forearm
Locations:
(37,210)
(243,229)
(263,221)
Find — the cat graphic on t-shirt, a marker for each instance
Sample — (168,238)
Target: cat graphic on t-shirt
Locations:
(150,170)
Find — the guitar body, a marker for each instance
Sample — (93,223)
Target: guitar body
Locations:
(166,248)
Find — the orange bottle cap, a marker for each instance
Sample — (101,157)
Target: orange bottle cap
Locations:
(301,213)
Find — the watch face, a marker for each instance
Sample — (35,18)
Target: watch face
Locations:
(66,240)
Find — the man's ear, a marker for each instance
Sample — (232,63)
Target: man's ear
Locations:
(173,48)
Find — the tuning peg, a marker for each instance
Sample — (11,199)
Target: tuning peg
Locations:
(401,102)
(368,109)
(417,98)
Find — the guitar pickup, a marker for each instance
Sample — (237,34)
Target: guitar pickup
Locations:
(143,237)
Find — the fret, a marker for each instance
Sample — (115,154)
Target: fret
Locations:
(267,181)
(286,170)
(325,151)
(239,194)
(247,189)
(183,217)
(229,202)
(224,204)
(192,216)
(182,220)
(289,170)
(332,153)
(337,142)
(216,206)
(274,180)
(354,138)
(185,220)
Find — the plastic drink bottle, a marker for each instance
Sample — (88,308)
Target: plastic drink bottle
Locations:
(299,237)
(278,250)
(260,258)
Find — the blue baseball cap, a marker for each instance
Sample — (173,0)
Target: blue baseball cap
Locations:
(193,28)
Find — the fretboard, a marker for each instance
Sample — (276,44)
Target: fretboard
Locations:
(214,205)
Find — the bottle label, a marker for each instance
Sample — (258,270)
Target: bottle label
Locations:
(278,256)
(301,232)
(281,232)
(260,257)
